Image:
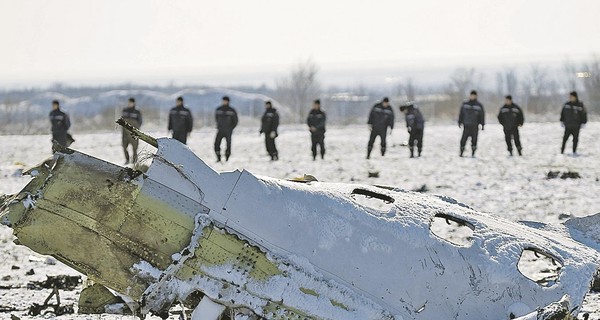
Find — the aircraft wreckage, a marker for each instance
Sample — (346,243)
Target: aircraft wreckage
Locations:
(275,249)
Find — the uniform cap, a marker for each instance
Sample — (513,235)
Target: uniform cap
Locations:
(573,93)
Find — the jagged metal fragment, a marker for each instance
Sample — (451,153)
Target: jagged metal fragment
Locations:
(286,250)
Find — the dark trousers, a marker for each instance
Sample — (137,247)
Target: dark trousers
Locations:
(568,132)
(416,135)
(472,132)
(220,136)
(60,137)
(270,144)
(512,134)
(318,139)
(126,140)
(382,135)
(180,136)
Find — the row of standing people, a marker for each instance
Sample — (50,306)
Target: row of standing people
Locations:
(573,118)
(381,118)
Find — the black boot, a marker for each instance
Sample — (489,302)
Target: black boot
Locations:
(510,152)
(369,153)
(473,152)
(420,152)
(462,150)
(412,153)
(519,151)
(382,152)
(218,157)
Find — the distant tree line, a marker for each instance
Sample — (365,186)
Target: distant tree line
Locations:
(538,89)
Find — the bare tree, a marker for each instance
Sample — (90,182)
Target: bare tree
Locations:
(407,90)
(506,83)
(570,78)
(538,88)
(461,81)
(591,83)
(299,88)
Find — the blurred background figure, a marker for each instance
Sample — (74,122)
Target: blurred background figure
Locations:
(269,124)
(60,124)
(133,116)
(380,118)
(511,118)
(573,118)
(415,124)
(316,125)
(471,116)
(180,121)
(227,120)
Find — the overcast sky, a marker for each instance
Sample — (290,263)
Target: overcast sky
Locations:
(115,41)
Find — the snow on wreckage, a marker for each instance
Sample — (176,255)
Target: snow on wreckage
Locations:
(275,249)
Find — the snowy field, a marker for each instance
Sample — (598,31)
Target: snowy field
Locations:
(513,187)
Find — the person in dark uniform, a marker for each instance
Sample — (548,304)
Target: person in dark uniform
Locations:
(573,117)
(380,118)
(471,116)
(415,123)
(511,118)
(180,121)
(60,125)
(133,116)
(269,124)
(316,125)
(227,120)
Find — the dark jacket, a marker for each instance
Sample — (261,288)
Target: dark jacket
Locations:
(511,116)
(471,113)
(269,121)
(317,119)
(573,114)
(226,118)
(60,121)
(381,118)
(180,119)
(414,119)
(132,116)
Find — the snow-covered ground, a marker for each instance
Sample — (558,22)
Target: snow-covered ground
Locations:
(512,187)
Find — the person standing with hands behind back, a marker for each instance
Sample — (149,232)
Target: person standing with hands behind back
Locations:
(227,120)
(269,124)
(133,116)
(471,116)
(511,118)
(180,121)
(573,118)
(60,125)
(316,124)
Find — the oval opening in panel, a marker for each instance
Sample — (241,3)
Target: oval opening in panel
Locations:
(452,229)
(539,267)
(371,199)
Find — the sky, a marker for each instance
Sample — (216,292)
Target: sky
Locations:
(118,41)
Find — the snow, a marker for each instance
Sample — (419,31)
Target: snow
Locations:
(514,188)
(207,310)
